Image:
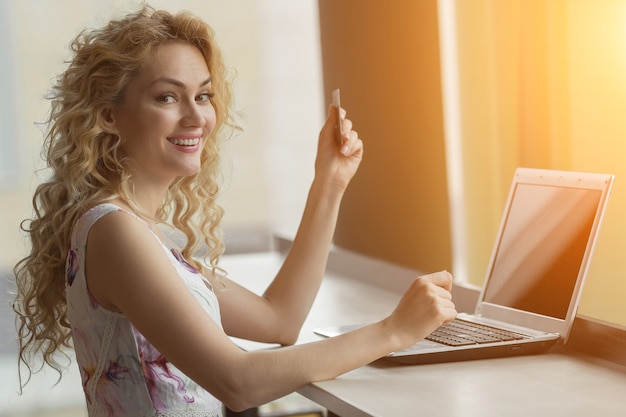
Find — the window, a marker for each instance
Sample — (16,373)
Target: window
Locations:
(9,140)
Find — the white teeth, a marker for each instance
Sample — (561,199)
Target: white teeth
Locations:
(185,142)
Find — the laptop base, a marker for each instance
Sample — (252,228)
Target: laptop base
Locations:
(485,352)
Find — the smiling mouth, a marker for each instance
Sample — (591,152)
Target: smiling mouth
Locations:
(184,142)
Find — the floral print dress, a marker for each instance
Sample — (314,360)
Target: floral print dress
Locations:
(123,375)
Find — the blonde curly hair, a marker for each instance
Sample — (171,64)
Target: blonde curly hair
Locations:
(87,167)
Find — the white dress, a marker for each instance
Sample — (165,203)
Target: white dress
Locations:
(123,375)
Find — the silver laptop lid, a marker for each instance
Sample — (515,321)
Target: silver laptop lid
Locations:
(543,248)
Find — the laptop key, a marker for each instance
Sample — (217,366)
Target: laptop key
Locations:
(450,341)
(463,333)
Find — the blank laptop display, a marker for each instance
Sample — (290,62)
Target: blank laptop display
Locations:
(535,276)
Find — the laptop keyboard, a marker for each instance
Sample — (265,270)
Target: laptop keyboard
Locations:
(460,332)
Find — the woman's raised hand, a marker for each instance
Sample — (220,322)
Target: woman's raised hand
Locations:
(337,161)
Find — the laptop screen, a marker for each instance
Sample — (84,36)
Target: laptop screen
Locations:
(541,249)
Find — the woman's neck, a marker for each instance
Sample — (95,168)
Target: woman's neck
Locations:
(147,198)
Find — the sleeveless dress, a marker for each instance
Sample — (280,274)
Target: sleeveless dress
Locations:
(123,375)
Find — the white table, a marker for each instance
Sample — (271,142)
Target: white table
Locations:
(558,383)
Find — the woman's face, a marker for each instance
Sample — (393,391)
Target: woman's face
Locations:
(167,115)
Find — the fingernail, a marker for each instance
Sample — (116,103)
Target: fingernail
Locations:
(345,150)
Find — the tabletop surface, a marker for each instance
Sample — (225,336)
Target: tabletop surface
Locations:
(556,383)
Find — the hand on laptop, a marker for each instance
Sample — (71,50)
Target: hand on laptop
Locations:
(426,305)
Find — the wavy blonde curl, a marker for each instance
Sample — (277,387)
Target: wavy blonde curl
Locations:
(88,168)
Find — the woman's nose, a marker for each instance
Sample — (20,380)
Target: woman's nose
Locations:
(194,115)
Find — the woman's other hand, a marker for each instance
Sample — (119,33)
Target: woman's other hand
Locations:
(337,161)
(426,305)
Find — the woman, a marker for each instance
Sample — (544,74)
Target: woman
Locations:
(133,144)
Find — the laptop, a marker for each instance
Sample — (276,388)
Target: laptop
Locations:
(535,276)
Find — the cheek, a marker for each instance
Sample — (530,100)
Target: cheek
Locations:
(137,124)
(211,118)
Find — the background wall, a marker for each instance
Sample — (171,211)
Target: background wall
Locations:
(597,125)
(385,59)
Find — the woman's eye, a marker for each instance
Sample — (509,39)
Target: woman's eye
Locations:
(205,97)
(167,99)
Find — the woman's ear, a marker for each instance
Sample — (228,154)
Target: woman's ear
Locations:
(108,121)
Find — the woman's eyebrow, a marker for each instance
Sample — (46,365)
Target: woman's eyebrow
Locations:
(178,83)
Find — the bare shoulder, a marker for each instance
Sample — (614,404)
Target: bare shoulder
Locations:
(122,256)
(118,227)
(121,240)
